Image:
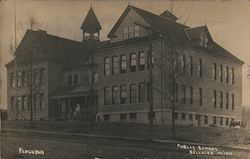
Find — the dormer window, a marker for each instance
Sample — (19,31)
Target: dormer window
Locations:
(131,32)
(204,41)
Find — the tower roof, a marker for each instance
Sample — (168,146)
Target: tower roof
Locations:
(169,15)
(91,23)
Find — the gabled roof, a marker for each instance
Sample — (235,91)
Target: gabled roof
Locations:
(69,52)
(156,23)
(91,23)
(168,15)
(195,32)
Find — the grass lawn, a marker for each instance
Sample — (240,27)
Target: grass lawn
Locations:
(208,135)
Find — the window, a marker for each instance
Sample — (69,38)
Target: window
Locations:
(12,102)
(29,102)
(19,79)
(232,102)
(125,33)
(201,40)
(183,63)
(214,71)
(133,93)
(132,116)
(227,74)
(106,117)
(176,92)
(221,73)
(200,96)
(42,101)
(115,65)
(42,75)
(191,95)
(123,63)
(75,79)
(131,32)
(115,95)
(190,65)
(199,68)
(141,92)
(107,66)
(183,94)
(183,116)
(24,103)
(227,121)
(190,117)
(136,30)
(205,119)
(36,101)
(70,80)
(18,103)
(36,77)
(232,75)
(221,99)
(107,95)
(24,79)
(227,100)
(215,98)
(221,120)
(123,116)
(123,94)
(132,62)
(176,116)
(214,120)
(95,77)
(141,61)
(12,80)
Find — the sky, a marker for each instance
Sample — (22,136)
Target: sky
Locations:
(227,20)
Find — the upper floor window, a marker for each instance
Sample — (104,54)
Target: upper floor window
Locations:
(232,75)
(183,94)
(132,62)
(70,80)
(221,99)
(227,74)
(215,98)
(200,68)
(227,100)
(221,73)
(133,93)
(123,94)
(12,80)
(183,63)
(19,79)
(18,102)
(24,78)
(12,102)
(95,77)
(115,65)
(141,92)
(42,101)
(75,79)
(42,75)
(214,71)
(141,61)
(203,41)
(107,95)
(176,89)
(131,32)
(232,101)
(190,60)
(200,96)
(123,63)
(24,103)
(107,66)
(36,76)
(191,95)
(115,95)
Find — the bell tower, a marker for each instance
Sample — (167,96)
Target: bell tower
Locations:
(91,26)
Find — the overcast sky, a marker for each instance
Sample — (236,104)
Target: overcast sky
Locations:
(228,22)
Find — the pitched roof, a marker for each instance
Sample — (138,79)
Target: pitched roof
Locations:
(54,48)
(195,32)
(91,23)
(157,23)
(168,15)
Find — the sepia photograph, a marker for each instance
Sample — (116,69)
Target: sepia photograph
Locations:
(125,79)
